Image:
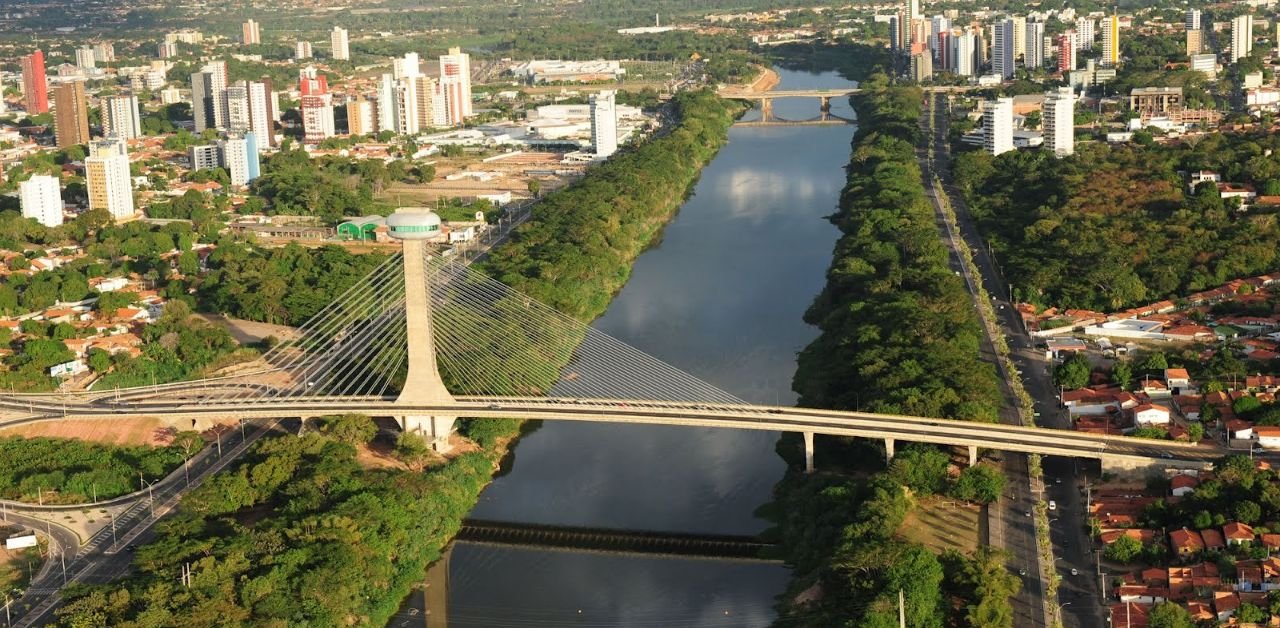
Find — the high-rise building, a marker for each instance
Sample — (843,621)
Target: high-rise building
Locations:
(1195,42)
(262,112)
(316,106)
(406,99)
(1002,59)
(203,157)
(339,45)
(1059,121)
(895,33)
(166,50)
(1033,54)
(35,87)
(939,25)
(250,33)
(104,52)
(302,50)
(107,176)
(455,82)
(120,117)
(1085,35)
(238,108)
(408,65)
(604,123)
(922,66)
(361,118)
(239,155)
(913,14)
(170,96)
(962,56)
(85,59)
(209,96)
(184,36)
(1241,37)
(1019,37)
(1111,40)
(997,122)
(41,199)
(70,114)
(387,104)
(1067,52)
(1206,63)
(431,106)
(1193,19)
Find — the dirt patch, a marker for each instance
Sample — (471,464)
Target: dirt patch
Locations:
(940,524)
(140,431)
(16,566)
(378,455)
(249,332)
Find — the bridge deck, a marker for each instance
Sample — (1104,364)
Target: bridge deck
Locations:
(613,540)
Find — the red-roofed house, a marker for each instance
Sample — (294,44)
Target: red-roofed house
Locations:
(1180,485)
(1143,536)
(1268,436)
(1225,604)
(1177,378)
(1200,612)
(1237,533)
(1129,615)
(1212,539)
(1142,594)
(1240,428)
(1186,543)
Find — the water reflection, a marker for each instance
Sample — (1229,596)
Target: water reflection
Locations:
(722,296)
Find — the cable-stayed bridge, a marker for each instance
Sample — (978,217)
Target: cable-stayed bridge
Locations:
(426,340)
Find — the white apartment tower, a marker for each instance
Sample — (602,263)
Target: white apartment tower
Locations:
(940,24)
(239,155)
(1085,36)
(1019,37)
(604,123)
(250,33)
(262,111)
(238,108)
(1193,19)
(120,117)
(1059,122)
(455,82)
(386,103)
(997,122)
(1241,37)
(908,26)
(962,56)
(339,44)
(408,65)
(1002,57)
(85,59)
(107,176)
(302,50)
(42,200)
(1033,56)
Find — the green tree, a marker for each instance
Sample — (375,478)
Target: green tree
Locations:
(535,188)
(1122,374)
(922,468)
(1195,432)
(1250,614)
(1074,372)
(353,429)
(979,483)
(99,360)
(1169,615)
(1124,549)
(1154,362)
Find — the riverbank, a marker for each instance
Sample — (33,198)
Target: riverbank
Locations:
(897,336)
(574,254)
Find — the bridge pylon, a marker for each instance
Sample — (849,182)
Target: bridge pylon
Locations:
(423,384)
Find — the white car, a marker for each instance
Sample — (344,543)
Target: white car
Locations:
(1053,505)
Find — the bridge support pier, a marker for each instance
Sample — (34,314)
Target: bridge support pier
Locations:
(766,109)
(973,455)
(435,429)
(808,452)
(888,450)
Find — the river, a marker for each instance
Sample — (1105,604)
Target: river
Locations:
(721,296)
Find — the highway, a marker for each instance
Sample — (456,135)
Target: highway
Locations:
(1078,595)
(736,416)
(105,557)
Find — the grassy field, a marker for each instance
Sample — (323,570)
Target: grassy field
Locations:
(940,523)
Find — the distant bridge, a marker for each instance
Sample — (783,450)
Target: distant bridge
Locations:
(764,102)
(681,544)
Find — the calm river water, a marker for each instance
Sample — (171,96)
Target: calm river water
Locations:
(721,297)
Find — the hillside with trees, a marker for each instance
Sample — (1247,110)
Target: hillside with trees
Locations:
(1115,226)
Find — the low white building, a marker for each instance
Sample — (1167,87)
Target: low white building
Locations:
(1149,414)
(1268,436)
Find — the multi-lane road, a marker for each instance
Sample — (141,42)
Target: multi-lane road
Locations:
(1079,595)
